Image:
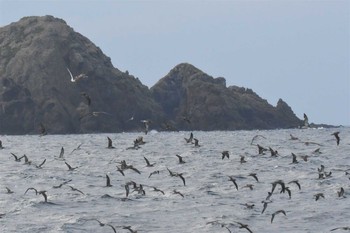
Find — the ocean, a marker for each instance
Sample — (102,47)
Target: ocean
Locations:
(210,202)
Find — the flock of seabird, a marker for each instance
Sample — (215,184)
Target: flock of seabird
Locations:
(277,187)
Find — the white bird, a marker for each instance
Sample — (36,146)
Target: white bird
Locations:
(76,78)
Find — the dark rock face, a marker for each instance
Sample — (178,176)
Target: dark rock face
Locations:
(36,88)
(188,92)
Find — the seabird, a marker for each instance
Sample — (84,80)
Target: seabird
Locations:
(43,193)
(75,189)
(255,137)
(40,165)
(317,151)
(36,191)
(189,140)
(261,149)
(1,147)
(269,194)
(110,146)
(70,168)
(77,148)
(148,163)
(234,181)
(120,170)
(16,158)
(185,118)
(294,158)
(265,205)
(254,176)
(277,212)
(9,191)
(288,191)
(108,184)
(177,192)
(292,137)
(274,153)
(61,153)
(280,182)
(249,206)
(341,192)
(242,159)
(127,190)
(87,97)
(26,160)
(153,173)
(182,178)
(158,190)
(76,78)
(306,121)
(245,226)
(180,159)
(341,228)
(225,153)
(336,135)
(60,185)
(129,228)
(318,196)
(295,182)
(196,142)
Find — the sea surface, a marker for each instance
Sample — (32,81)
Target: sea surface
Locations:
(210,202)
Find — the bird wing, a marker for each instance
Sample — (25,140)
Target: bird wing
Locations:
(71,76)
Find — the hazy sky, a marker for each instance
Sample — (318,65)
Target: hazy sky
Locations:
(295,50)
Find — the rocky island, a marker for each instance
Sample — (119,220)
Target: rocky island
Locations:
(37,55)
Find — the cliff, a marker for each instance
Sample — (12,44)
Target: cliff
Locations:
(37,55)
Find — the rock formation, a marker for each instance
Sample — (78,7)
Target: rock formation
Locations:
(194,100)
(36,88)
(35,84)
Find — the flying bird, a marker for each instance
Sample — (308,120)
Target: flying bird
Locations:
(295,182)
(189,140)
(234,181)
(42,130)
(70,168)
(61,153)
(336,135)
(77,77)
(244,226)
(277,212)
(40,165)
(16,158)
(1,147)
(146,124)
(341,228)
(254,176)
(75,189)
(306,121)
(180,159)
(226,154)
(148,163)
(177,192)
(318,196)
(108,184)
(110,146)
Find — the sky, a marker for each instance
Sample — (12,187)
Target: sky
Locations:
(298,50)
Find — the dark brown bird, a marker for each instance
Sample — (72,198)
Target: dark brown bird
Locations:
(277,212)
(243,159)
(280,182)
(245,226)
(234,181)
(108,182)
(336,135)
(110,146)
(158,190)
(295,182)
(43,193)
(180,159)
(341,192)
(36,191)
(265,205)
(40,165)
(177,192)
(254,176)
(196,144)
(261,149)
(274,153)
(189,140)
(226,154)
(70,168)
(75,189)
(16,158)
(294,158)
(1,147)
(148,163)
(9,191)
(318,196)
(153,173)
(341,228)
(61,153)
